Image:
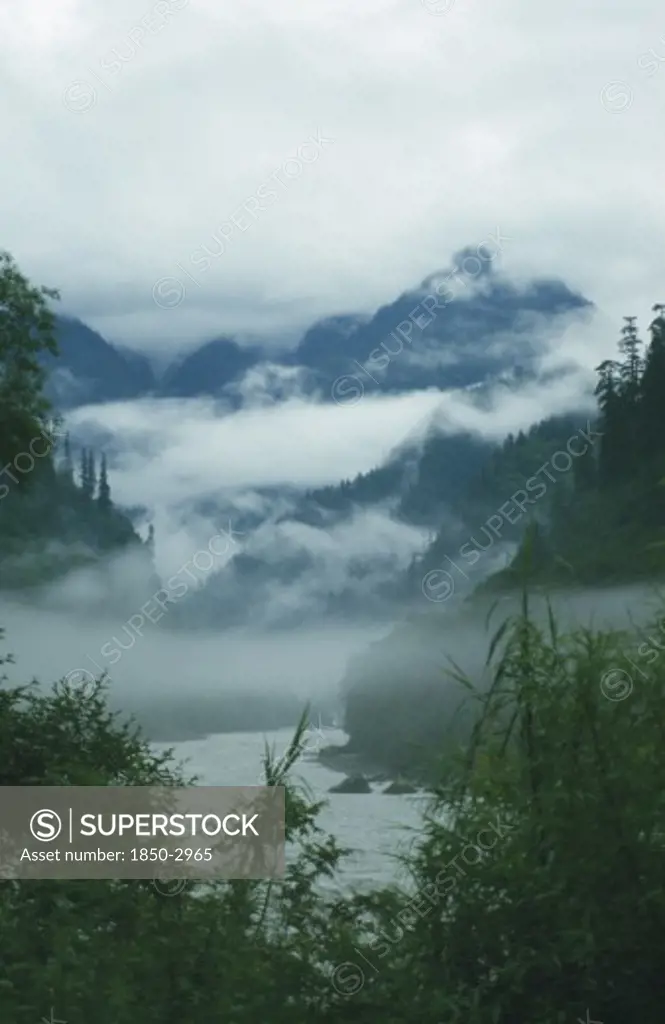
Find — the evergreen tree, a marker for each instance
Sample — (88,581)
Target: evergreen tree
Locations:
(585,471)
(92,476)
(67,464)
(27,330)
(104,493)
(87,474)
(630,378)
(633,365)
(653,387)
(609,403)
(83,470)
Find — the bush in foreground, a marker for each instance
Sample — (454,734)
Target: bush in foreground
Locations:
(536,888)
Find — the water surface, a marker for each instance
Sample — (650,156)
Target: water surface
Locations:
(375,826)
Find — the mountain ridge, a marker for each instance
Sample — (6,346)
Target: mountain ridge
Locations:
(491,327)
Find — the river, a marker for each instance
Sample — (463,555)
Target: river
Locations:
(374,825)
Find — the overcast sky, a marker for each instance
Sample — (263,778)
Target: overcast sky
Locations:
(134,131)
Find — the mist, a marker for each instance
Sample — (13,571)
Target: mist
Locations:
(466,631)
(180,683)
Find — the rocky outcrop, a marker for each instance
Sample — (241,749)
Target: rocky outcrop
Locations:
(399,788)
(352,784)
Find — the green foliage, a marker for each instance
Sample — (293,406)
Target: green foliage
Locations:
(503,473)
(535,886)
(600,523)
(620,491)
(118,952)
(566,912)
(48,525)
(559,766)
(26,331)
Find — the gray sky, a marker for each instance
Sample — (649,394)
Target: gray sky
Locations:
(135,130)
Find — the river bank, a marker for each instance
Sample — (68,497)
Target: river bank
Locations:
(357,766)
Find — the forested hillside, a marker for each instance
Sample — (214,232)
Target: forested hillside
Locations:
(398,705)
(420,480)
(50,522)
(608,524)
(59,519)
(593,517)
(475,523)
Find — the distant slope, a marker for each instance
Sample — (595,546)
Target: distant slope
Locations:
(487,328)
(89,369)
(592,492)
(341,552)
(399,707)
(51,526)
(484,516)
(208,370)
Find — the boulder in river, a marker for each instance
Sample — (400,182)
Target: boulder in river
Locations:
(352,784)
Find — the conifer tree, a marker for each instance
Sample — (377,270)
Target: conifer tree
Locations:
(67,465)
(609,403)
(631,369)
(27,331)
(104,492)
(92,476)
(629,374)
(83,470)
(653,387)
(87,473)
(585,470)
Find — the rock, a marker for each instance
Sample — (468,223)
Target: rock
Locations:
(399,788)
(352,784)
